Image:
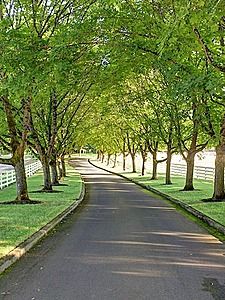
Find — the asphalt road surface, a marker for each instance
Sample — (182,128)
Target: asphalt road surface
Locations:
(122,243)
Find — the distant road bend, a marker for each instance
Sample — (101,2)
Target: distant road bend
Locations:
(122,243)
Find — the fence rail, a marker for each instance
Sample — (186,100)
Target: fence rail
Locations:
(8,177)
(200,172)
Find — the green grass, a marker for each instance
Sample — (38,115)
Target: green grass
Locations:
(18,222)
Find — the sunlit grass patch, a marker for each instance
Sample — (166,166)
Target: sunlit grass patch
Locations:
(18,222)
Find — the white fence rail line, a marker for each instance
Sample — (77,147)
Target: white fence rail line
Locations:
(200,172)
(32,168)
(8,177)
(206,173)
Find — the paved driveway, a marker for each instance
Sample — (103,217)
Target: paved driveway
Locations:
(122,243)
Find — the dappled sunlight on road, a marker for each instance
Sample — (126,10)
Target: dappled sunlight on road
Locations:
(136,243)
(146,259)
(193,236)
(152,207)
(141,273)
(101,207)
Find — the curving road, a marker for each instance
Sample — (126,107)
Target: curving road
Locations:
(122,243)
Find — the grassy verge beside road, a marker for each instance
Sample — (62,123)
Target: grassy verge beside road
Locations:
(204,190)
(18,222)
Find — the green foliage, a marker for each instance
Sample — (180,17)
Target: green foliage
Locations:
(148,69)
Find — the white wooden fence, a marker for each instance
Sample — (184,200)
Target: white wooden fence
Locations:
(8,176)
(200,172)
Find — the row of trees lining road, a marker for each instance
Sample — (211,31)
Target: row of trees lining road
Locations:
(167,83)
(124,76)
(48,65)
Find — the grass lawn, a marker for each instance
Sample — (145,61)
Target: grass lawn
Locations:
(18,222)
(203,190)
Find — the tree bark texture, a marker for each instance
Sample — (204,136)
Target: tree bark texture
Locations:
(219,193)
(143,166)
(108,159)
(132,151)
(133,163)
(143,150)
(21,182)
(46,174)
(54,172)
(124,161)
(59,168)
(124,154)
(114,162)
(98,155)
(18,142)
(63,166)
(190,160)
(154,166)
(168,166)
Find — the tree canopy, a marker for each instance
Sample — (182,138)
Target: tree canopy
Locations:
(121,76)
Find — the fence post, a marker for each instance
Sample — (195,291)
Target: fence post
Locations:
(8,177)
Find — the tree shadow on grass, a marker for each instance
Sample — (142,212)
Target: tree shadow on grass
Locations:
(211,200)
(45,191)
(15,202)
(189,191)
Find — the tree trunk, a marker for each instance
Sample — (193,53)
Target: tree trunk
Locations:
(143,149)
(54,172)
(63,166)
(98,155)
(133,163)
(124,161)
(219,193)
(21,182)
(154,165)
(143,166)
(108,159)
(114,163)
(103,157)
(59,167)
(219,165)
(144,159)
(124,154)
(190,171)
(132,152)
(17,144)
(168,166)
(46,172)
